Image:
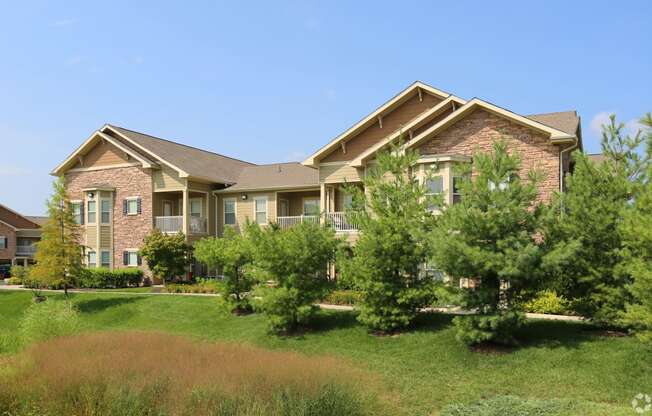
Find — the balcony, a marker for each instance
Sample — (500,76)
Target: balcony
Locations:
(25,251)
(341,221)
(174,224)
(337,220)
(286,222)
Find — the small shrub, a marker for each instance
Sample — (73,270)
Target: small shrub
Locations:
(343,297)
(498,328)
(510,406)
(14,281)
(547,301)
(20,273)
(48,319)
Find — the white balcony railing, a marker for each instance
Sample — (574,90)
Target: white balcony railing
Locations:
(341,221)
(285,222)
(169,224)
(197,225)
(25,251)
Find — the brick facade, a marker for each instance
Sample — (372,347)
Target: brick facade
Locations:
(478,130)
(128,231)
(10,252)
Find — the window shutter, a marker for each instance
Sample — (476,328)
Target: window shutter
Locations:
(124,206)
(81,214)
(6,242)
(139,205)
(140,260)
(125,258)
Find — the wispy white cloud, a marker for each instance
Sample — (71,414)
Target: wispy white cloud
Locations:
(74,60)
(64,22)
(602,118)
(598,121)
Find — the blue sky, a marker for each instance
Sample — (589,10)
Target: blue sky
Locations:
(274,81)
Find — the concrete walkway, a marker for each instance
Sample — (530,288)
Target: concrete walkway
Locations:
(450,311)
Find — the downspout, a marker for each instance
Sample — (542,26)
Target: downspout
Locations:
(561,163)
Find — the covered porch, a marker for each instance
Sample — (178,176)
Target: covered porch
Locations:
(168,212)
(336,202)
(295,207)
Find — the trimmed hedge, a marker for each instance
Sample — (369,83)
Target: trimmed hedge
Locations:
(102,278)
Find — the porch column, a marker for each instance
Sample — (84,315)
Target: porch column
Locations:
(186,212)
(322,200)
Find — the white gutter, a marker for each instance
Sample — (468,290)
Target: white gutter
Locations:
(561,162)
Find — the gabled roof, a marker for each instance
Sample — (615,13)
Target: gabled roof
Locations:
(415,123)
(187,160)
(15,220)
(92,140)
(275,176)
(39,220)
(371,118)
(556,135)
(566,121)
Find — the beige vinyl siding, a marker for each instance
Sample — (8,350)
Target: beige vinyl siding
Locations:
(103,154)
(105,236)
(245,209)
(339,173)
(91,236)
(167,179)
(391,122)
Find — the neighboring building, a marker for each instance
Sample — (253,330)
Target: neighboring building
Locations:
(18,233)
(125,183)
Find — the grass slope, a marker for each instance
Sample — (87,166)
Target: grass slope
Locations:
(426,366)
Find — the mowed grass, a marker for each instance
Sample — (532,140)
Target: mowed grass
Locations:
(425,366)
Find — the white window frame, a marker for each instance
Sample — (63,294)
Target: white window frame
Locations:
(88,211)
(80,204)
(2,242)
(131,199)
(310,198)
(88,258)
(428,193)
(101,264)
(261,198)
(235,211)
(107,200)
(131,251)
(453,193)
(201,206)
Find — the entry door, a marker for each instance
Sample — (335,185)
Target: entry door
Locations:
(283,208)
(167,208)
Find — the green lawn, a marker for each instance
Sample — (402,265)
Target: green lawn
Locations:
(426,366)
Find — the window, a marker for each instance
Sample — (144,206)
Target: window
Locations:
(260,209)
(131,258)
(347,201)
(77,212)
(311,206)
(92,259)
(92,209)
(457,196)
(501,185)
(434,186)
(3,242)
(195,207)
(131,206)
(105,259)
(105,211)
(229,212)
(432,272)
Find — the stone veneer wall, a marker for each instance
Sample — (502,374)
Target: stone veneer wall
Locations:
(478,131)
(128,231)
(10,252)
